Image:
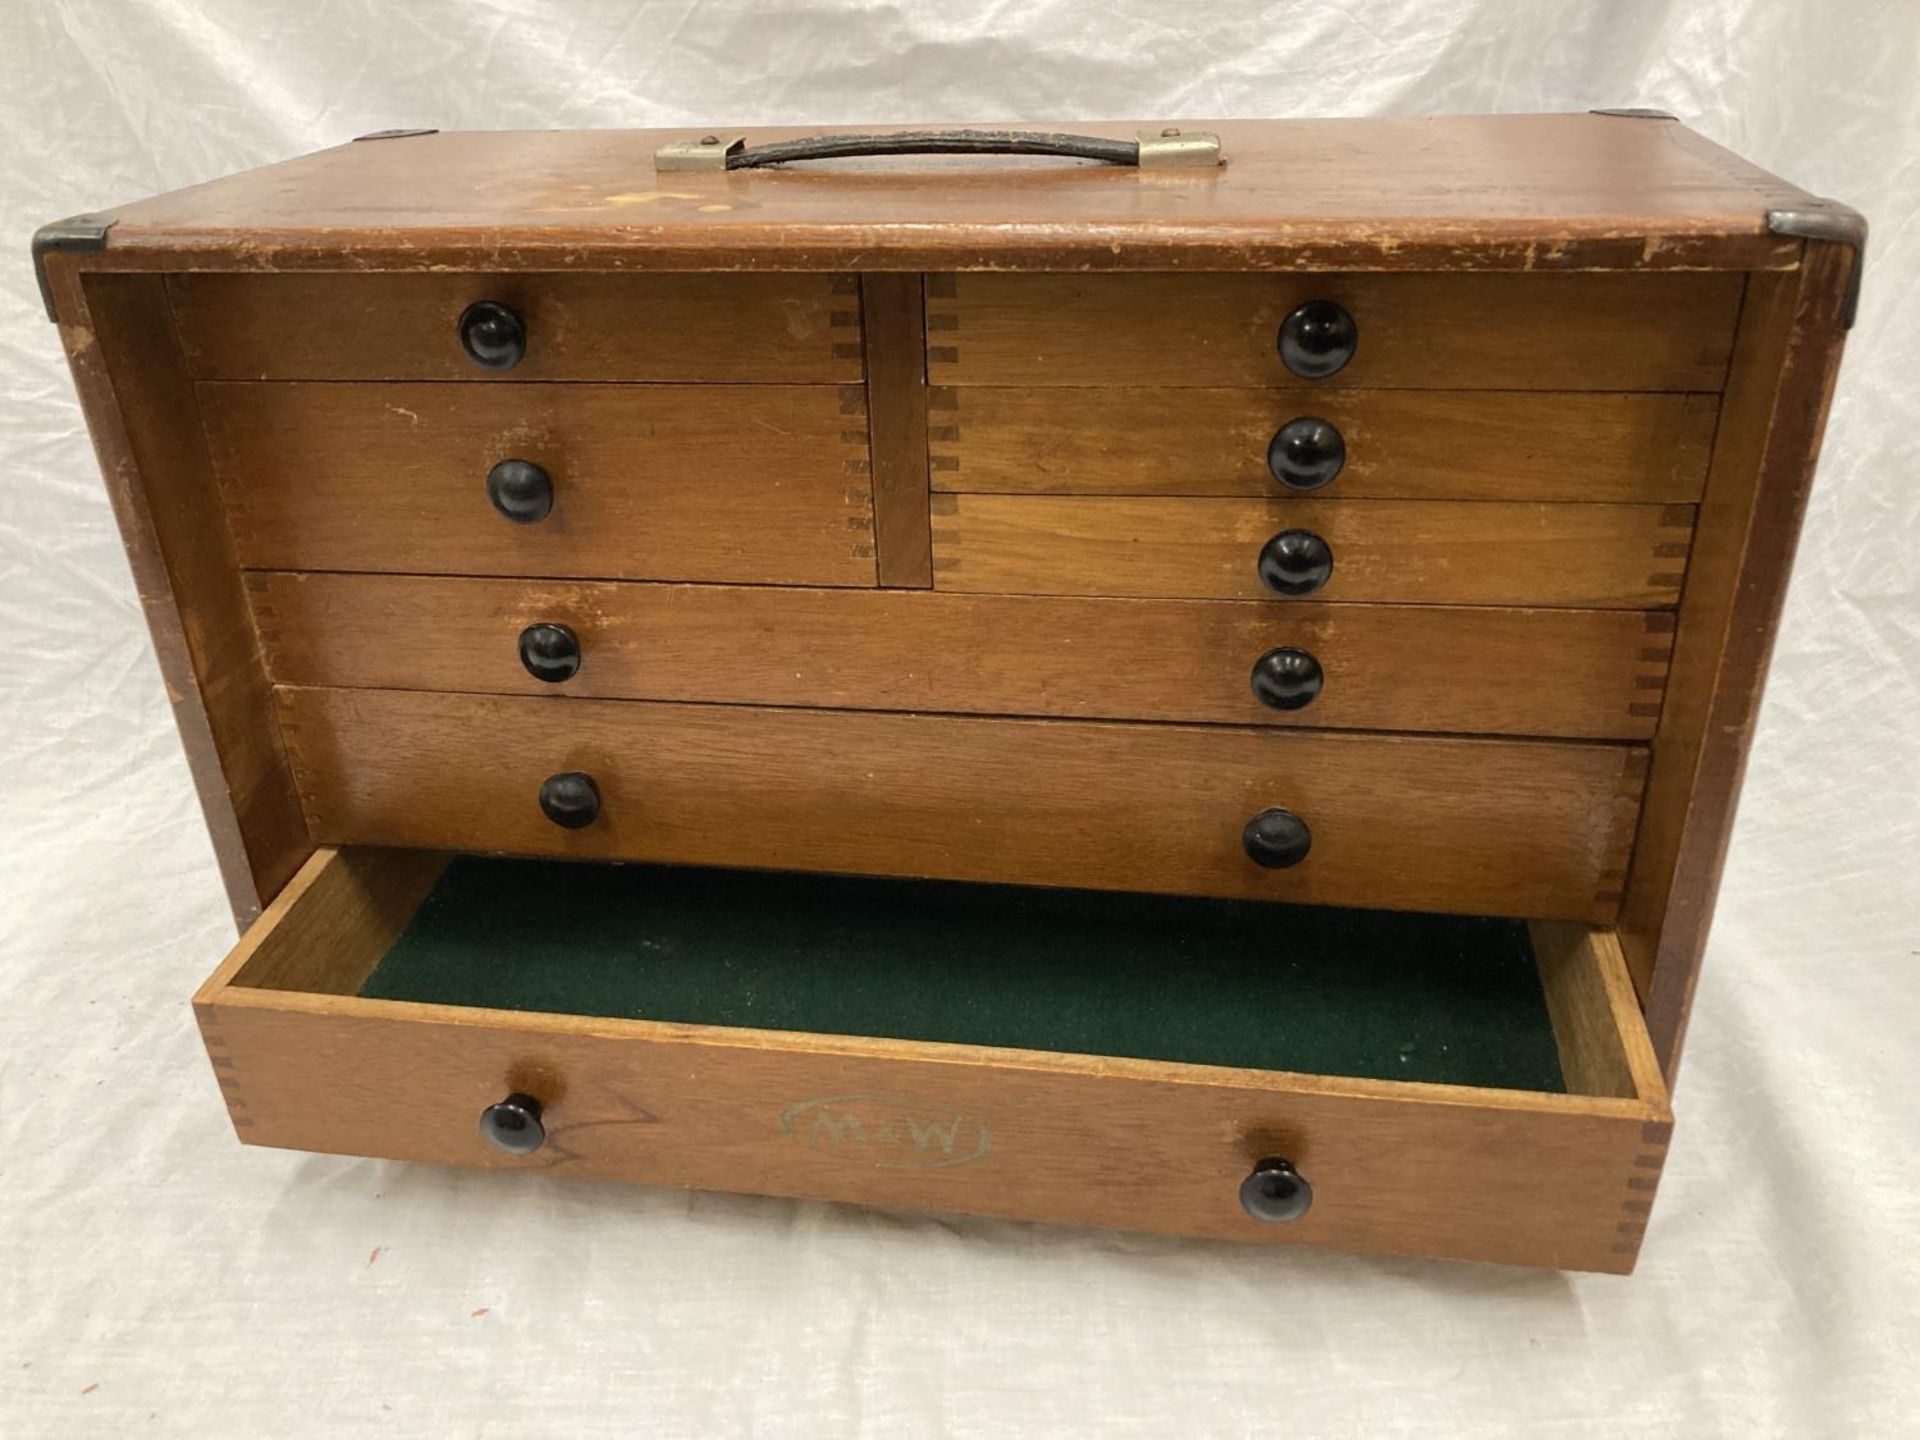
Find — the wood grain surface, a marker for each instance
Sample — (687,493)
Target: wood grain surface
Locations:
(1783,378)
(1400,444)
(766,484)
(1517,192)
(331,923)
(1419,551)
(1604,1048)
(1419,332)
(765,328)
(139,405)
(1520,827)
(1415,1169)
(1471,669)
(893,317)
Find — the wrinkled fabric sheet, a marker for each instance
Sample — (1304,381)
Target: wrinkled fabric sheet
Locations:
(155,1278)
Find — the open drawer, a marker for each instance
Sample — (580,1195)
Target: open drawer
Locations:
(1450,1086)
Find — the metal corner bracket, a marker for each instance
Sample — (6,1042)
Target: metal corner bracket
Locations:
(75,233)
(1634,113)
(391,135)
(1829,220)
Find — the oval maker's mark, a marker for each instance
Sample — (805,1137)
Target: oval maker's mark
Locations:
(890,1132)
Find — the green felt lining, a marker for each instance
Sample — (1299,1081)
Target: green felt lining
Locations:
(1380,994)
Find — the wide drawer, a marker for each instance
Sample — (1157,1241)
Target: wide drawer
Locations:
(1355,444)
(1522,827)
(1416,551)
(621,1024)
(754,483)
(1420,332)
(767,328)
(1470,669)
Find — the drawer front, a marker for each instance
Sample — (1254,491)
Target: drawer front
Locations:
(1412,1168)
(1373,444)
(712,482)
(1418,332)
(1429,552)
(1408,1169)
(799,329)
(1509,827)
(1577,673)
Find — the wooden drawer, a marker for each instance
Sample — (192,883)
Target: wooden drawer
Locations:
(770,328)
(1414,332)
(1388,444)
(1468,669)
(710,482)
(1528,827)
(1559,1175)
(1428,552)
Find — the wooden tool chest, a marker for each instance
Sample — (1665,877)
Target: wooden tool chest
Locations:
(1189,678)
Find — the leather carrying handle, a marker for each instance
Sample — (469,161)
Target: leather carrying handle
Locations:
(937,142)
(1167,149)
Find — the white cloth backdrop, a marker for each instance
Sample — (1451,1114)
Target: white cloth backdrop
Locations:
(156,1278)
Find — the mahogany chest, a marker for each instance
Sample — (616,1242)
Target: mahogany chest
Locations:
(1190,678)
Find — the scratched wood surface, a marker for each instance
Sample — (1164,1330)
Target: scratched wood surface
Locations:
(1523,827)
(1415,551)
(1471,669)
(1516,192)
(1784,374)
(765,328)
(756,483)
(1400,444)
(1420,332)
(139,404)
(1414,1169)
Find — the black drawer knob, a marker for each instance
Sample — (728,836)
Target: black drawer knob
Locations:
(1317,339)
(1275,1192)
(513,1125)
(494,336)
(1287,678)
(550,652)
(520,490)
(1276,839)
(1295,562)
(570,799)
(1306,453)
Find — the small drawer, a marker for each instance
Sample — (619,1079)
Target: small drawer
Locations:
(1596,674)
(1404,1084)
(1414,551)
(794,329)
(1393,332)
(753,483)
(1349,444)
(1519,827)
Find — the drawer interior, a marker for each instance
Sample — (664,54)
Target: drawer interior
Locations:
(1475,1088)
(1450,999)
(1370,994)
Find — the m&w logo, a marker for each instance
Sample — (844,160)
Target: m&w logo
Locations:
(892,1132)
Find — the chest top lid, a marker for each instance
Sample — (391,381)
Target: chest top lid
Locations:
(1492,192)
